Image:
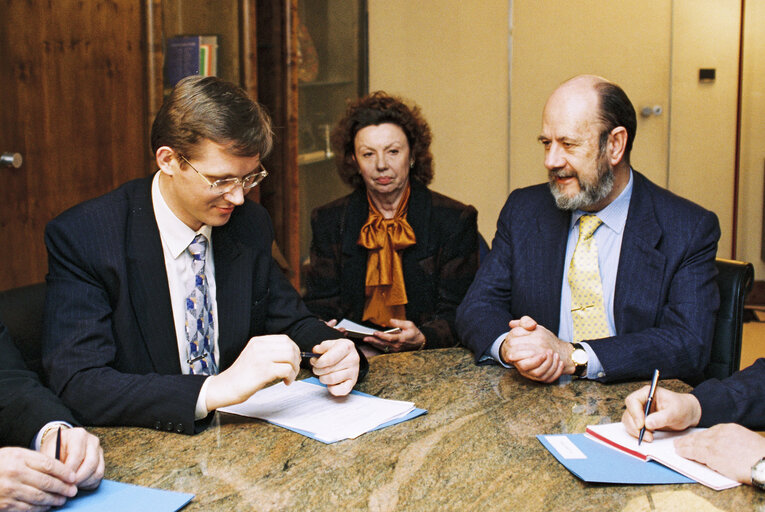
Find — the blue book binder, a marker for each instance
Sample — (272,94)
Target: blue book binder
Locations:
(607,465)
(118,497)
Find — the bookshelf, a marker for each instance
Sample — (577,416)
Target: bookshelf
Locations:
(326,56)
(336,29)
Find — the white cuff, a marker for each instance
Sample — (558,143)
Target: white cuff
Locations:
(48,426)
(594,368)
(200,411)
(494,349)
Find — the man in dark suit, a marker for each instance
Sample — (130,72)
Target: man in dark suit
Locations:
(144,325)
(30,416)
(636,295)
(728,448)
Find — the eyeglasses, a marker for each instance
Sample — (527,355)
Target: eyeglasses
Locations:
(226,185)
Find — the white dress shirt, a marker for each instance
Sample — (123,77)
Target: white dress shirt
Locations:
(176,237)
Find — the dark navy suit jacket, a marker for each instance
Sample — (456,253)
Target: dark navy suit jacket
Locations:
(25,404)
(738,399)
(665,298)
(110,347)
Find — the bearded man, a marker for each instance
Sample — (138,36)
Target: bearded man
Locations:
(600,274)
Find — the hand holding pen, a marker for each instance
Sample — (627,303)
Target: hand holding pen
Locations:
(648,403)
(668,410)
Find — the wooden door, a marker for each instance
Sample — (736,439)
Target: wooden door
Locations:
(74,102)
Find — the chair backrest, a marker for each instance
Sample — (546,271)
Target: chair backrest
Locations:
(21,310)
(735,280)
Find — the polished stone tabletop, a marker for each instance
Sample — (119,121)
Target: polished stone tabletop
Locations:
(475,450)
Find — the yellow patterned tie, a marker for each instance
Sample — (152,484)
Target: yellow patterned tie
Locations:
(587,308)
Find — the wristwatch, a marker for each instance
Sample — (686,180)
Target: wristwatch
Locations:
(579,358)
(758,474)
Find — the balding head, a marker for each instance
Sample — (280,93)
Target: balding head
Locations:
(598,99)
(587,132)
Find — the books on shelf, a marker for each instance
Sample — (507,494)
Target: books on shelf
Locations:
(190,55)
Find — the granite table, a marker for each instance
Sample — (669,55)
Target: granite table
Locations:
(475,450)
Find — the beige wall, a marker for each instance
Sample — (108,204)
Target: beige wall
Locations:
(752,139)
(553,41)
(703,115)
(451,58)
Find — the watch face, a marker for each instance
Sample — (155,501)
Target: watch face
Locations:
(579,356)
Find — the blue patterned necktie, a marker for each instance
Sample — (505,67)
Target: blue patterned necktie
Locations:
(199,316)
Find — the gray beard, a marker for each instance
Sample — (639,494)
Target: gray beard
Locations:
(588,194)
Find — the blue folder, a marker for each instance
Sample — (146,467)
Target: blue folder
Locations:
(610,466)
(120,497)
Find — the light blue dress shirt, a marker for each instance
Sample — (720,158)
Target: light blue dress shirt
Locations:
(608,238)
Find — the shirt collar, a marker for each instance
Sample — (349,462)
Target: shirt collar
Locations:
(614,216)
(174,233)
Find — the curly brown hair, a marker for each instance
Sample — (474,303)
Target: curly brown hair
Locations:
(376,109)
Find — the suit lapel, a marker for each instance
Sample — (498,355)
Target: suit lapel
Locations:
(547,254)
(149,291)
(233,283)
(639,257)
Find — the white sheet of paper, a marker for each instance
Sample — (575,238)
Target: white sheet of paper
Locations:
(309,407)
(354,327)
(662,449)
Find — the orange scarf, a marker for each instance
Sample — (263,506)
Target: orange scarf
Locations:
(384,238)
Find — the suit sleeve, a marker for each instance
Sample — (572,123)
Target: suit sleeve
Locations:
(737,399)
(458,263)
(323,277)
(25,404)
(679,342)
(288,314)
(81,354)
(484,313)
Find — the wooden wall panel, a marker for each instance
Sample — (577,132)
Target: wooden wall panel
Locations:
(74,104)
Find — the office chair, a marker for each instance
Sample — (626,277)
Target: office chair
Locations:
(735,279)
(21,310)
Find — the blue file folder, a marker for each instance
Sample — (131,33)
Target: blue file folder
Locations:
(120,497)
(606,465)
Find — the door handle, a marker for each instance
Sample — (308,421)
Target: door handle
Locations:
(11,160)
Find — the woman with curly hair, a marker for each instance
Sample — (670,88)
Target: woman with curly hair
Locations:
(392,253)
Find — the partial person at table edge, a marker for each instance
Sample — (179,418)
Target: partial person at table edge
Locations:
(30,419)
(393,253)
(163,300)
(730,407)
(599,273)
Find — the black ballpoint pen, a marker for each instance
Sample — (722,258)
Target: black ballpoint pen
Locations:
(651,392)
(58,444)
(309,354)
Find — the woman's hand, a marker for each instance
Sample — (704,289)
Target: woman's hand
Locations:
(409,338)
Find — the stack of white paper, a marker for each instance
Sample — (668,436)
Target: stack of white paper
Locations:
(310,409)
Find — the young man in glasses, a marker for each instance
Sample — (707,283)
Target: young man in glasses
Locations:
(164,303)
